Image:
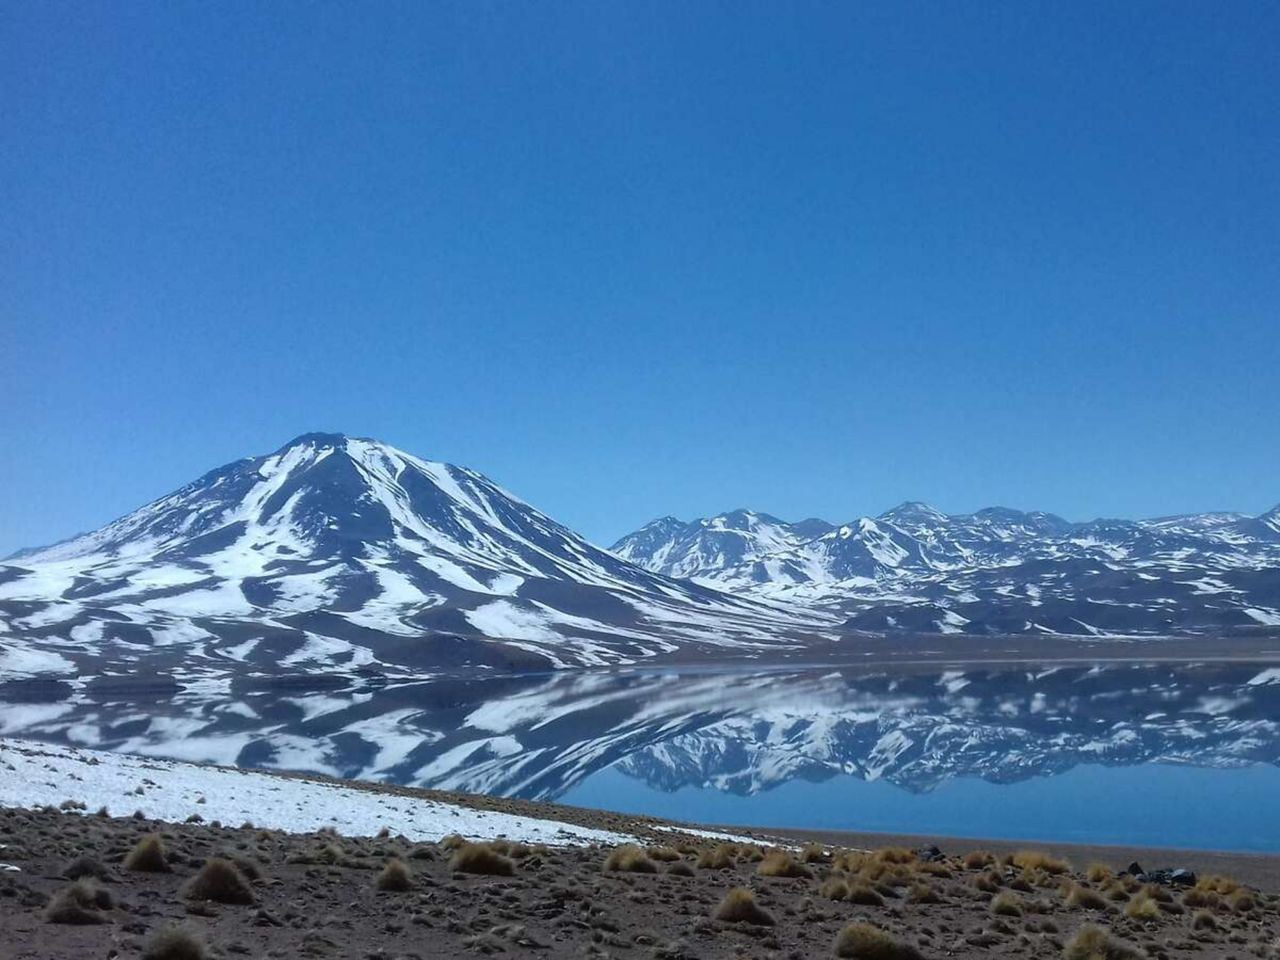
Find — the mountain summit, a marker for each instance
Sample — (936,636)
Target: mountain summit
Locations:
(340,547)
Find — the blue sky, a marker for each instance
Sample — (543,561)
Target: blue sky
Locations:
(646,258)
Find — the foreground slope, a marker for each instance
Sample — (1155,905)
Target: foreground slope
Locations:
(346,552)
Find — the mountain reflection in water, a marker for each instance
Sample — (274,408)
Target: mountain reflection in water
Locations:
(738,735)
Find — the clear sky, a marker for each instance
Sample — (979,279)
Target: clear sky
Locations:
(646,258)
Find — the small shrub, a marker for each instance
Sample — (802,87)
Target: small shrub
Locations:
(80,903)
(664,854)
(834,889)
(865,896)
(148,856)
(988,882)
(893,855)
(1216,883)
(1094,943)
(978,859)
(452,842)
(862,941)
(779,863)
(1242,901)
(813,853)
(1085,898)
(680,869)
(1195,897)
(923,893)
(1006,905)
(1030,860)
(739,906)
(629,859)
(395,877)
(481,859)
(176,943)
(1142,907)
(1098,872)
(220,881)
(1204,920)
(85,867)
(715,858)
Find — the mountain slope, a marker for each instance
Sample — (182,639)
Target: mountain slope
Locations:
(348,551)
(1000,571)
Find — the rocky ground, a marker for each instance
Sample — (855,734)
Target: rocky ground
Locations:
(244,891)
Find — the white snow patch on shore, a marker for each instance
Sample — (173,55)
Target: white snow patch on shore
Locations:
(48,774)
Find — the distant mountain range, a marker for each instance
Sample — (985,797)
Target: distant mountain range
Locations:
(342,554)
(994,571)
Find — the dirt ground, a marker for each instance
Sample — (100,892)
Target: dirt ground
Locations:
(317,895)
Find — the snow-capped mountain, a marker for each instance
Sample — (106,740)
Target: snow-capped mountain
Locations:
(994,571)
(740,540)
(347,552)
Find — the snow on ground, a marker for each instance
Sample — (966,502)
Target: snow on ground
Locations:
(36,774)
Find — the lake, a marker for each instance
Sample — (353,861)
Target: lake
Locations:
(1184,755)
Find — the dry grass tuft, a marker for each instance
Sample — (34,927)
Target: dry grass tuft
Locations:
(739,906)
(1142,906)
(834,889)
(1216,883)
(894,855)
(1085,898)
(1195,897)
(176,943)
(1032,860)
(779,863)
(148,856)
(1204,920)
(80,903)
(988,882)
(865,896)
(1006,905)
(862,941)
(85,867)
(220,881)
(923,893)
(680,869)
(395,877)
(813,853)
(452,842)
(664,854)
(715,858)
(482,859)
(1098,872)
(1242,901)
(977,859)
(629,859)
(1094,943)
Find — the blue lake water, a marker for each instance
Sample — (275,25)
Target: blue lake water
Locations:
(1149,805)
(1183,755)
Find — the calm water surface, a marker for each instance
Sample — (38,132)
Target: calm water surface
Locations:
(1172,755)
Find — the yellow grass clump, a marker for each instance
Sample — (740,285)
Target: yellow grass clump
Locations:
(480,858)
(629,859)
(395,877)
(1006,905)
(1094,943)
(1084,898)
(220,881)
(148,856)
(739,906)
(1142,906)
(779,863)
(863,941)
(1030,860)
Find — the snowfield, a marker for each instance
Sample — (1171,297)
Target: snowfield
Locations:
(36,774)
